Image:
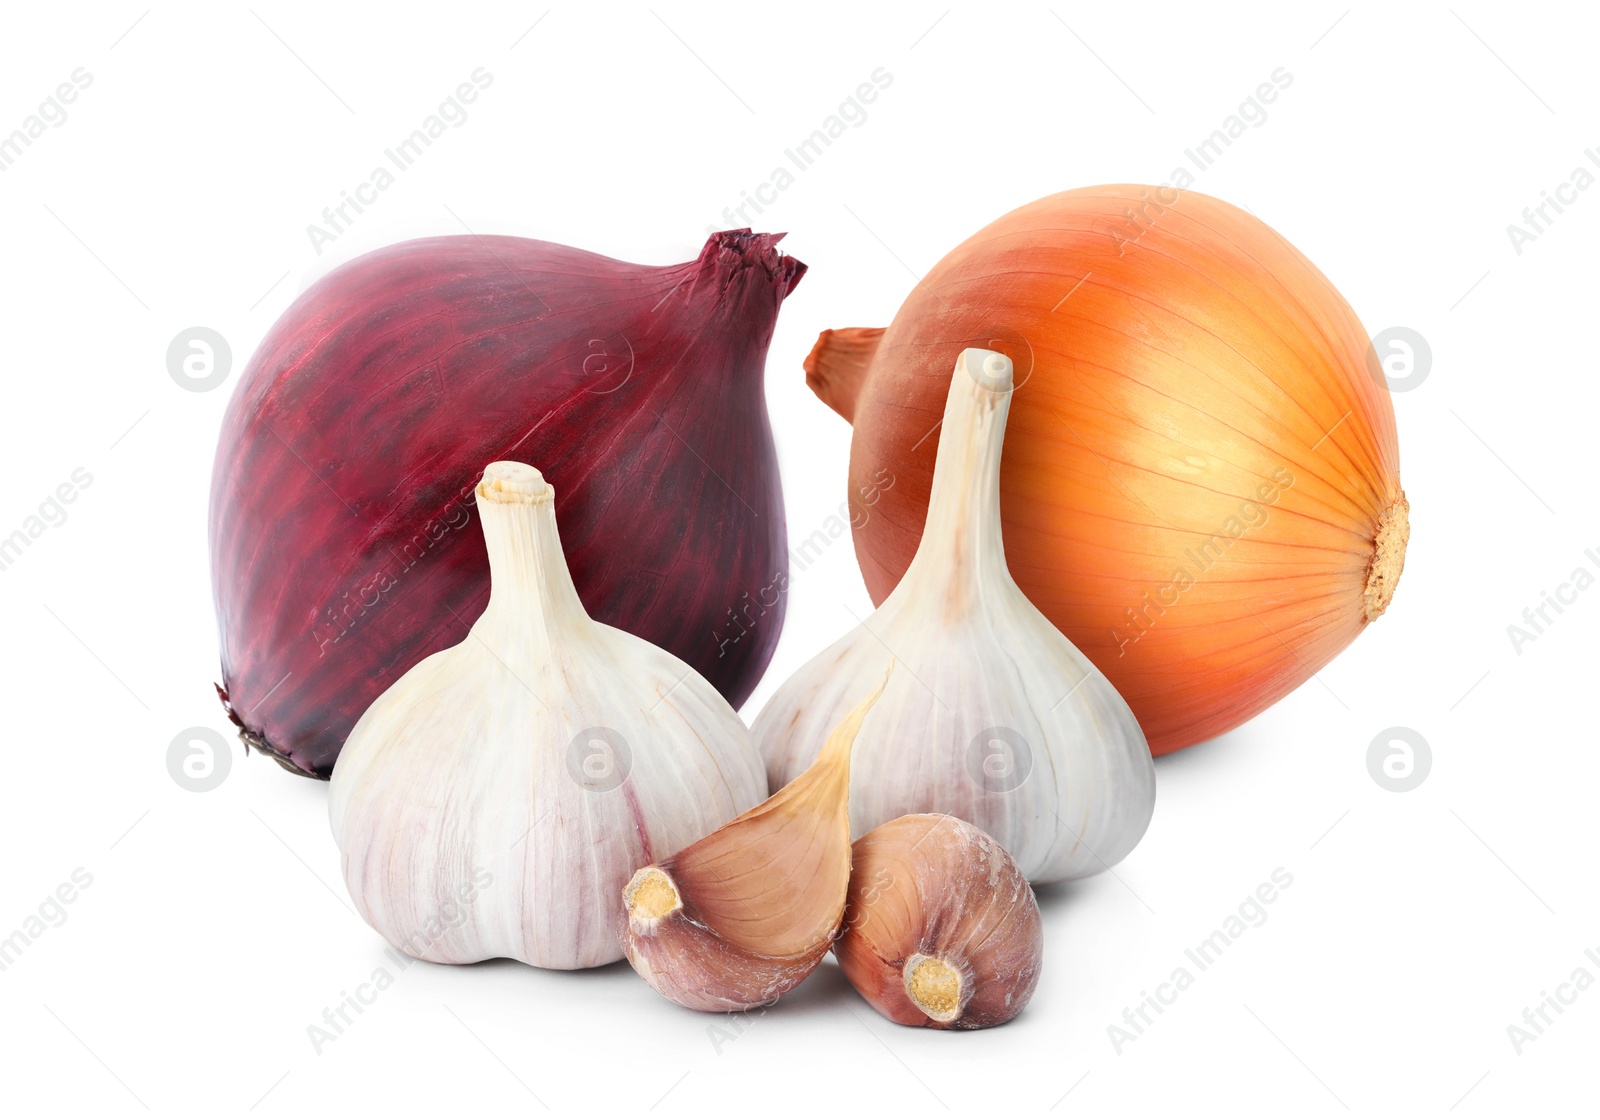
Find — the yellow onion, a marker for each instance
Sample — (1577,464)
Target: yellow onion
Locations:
(1200,484)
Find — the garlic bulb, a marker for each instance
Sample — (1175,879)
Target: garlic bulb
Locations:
(996,718)
(494,801)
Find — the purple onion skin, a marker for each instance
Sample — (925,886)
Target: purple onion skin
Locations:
(344,542)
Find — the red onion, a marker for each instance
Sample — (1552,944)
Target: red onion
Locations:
(344,474)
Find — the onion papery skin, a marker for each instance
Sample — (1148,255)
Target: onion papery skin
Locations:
(342,545)
(1200,485)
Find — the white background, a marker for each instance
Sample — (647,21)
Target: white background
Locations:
(216,930)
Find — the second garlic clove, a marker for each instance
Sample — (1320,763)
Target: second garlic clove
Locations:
(941,929)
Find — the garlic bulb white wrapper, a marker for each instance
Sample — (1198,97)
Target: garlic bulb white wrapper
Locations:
(997,718)
(494,801)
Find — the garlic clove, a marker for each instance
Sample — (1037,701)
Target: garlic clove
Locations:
(494,800)
(941,927)
(738,918)
(995,717)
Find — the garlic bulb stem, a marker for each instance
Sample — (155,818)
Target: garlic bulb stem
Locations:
(531,594)
(962,549)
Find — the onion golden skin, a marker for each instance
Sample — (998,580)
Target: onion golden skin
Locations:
(1173,354)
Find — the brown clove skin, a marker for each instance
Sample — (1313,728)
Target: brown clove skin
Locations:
(941,928)
(738,918)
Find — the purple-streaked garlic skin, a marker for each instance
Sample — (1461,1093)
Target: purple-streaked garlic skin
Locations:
(495,799)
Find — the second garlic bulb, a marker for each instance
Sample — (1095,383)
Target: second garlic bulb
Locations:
(997,718)
(494,801)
